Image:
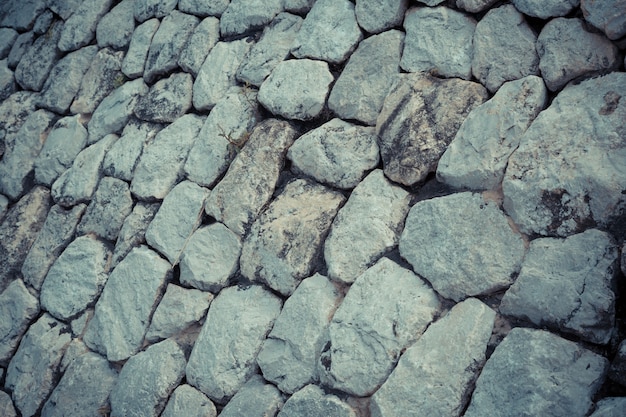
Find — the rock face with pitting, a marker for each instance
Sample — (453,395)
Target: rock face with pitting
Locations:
(376,16)
(107,211)
(35,65)
(254,399)
(99,81)
(167,100)
(199,44)
(133,230)
(115,29)
(138,49)
(17,308)
(311,401)
(188,401)
(244,16)
(80,28)
(545,9)
(606,16)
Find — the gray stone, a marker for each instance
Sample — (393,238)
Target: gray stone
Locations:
(273,48)
(75,349)
(610,407)
(478,155)
(102,77)
(283,243)
(537,373)
(80,28)
(167,100)
(318,37)
(63,8)
(4,205)
(376,16)
(8,37)
(32,372)
(361,88)
(107,210)
(244,16)
(251,179)
(567,51)
(35,65)
(483,253)
(298,6)
(115,29)
(146,9)
(420,117)
(161,164)
(147,380)
(296,89)
(7,80)
(223,357)
(177,218)
(312,402)
(474,6)
(129,298)
(188,401)
(14,112)
(617,371)
(21,14)
(43,22)
(210,258)
(178,309)
(432,3)
(435,375)
(20,46)
(167,43)
(545,9)
(17,309)
(606,16)
(504,48)
(203,7)
(135,59)
(254,399)
(199,44)
(292,349)
(133,230)
(84,388)
(217,73)
(565,177)
(6,405)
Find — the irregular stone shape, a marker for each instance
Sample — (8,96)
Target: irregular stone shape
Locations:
(217,73)
(376,16)
(552,185)
(115,29)
(199,44)
(161,164)
(77,184)
(21,15)
(478,155)
(226,130)
(567,51)
(567,284)
(282,244)
(6,405)
(133,231)
(18,231)
(292,349)
(4,205)
(129,298)
(102,77)
(145,9)
(419,119)
(21,45)
(311,401)
(504,48)
(298,6)
(224,354)
(318,37)
(17,309)
(84,388)
(474,6)
(135,59)
(210,258)
(203,7)
(618,365)
(7,39)
(254,399)
(177,218)
(606,16)
(167,43)
(63,8)
(14,112)
(272,48)
(147,380)
(483,253)
(32,372)
(188,401)
(361,88)
(107,210)
(415,386)
(7,81)
(167,100)
(251,179)
(80,28)
(525,371)
(545,9)
(296,89)
(57,232)
(244,16)
(610,407)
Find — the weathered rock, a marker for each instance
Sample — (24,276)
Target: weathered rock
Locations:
(21,45)
(17,309)
(311,401)
(420,117)
(145,9)
(617,371)
(537,373)
(244,16)
(435,375)
(318,37)
(223,357)
(298,6)
(254,399)
(203,7)
(4,205)
(14,112)
(283,242)
(43,22)
(133,230)
(199,44)
(129,298)
(606,16)
(135,59)
(361,88)
(553,184)
(7,81)
(8,37)
(102,77)
(167,100)
(545,9)
(63,8)
(115,29)
(6,405)
(188,401)
(376,16)
(504,48)
(478,155)
(21,15)
(474,6)
(251,179)
(296,89)
(610,407)
(80,28)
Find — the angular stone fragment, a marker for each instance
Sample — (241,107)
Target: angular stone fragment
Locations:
(17,309)
(7,80)
(606,15)
(36,63)
(167,100)
(254,399)
(188,401)
(135,59)
(145,9)
(203,7)
(21,45)
(376,16)
(282,244)
(7,39)
(6,405)
(133,231)
(312,402)
(115,29)
(102,77)
(80,28)
(474,6)
(199,44)
(244,16)
(21,15)
(610,407)
(545,9)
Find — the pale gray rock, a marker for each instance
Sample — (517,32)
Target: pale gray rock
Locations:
(337,153)
(63,8)
(606,15)
(133,230)
(135,59)
(75,349)
(251,179)
(129,298)
(22,14)
(32,373)
(537,373)
(283,243)
(318,37)
(223,357)
(103,76)
(292,349)
(376,16)
(203,7)
(199,44)
(545,9)
(435,375)
(477,157)
(36,63)
(312,402)
(610,407)
(18,308)
(474,6)
(115,29)
(7,80)
(296,89)
(361,88)
(244,16)
(20,46)
(107,210)
(6,405)
(567,51)
(80,28)
(564,177)
(167,100)
(177,218)
(210,258)
(483,253)
(504,48)
(188,401)
(161,164)
(14,112)
(146,9)
(254,399)
(147,380)
(8,37)
(298,6)
(420,117)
